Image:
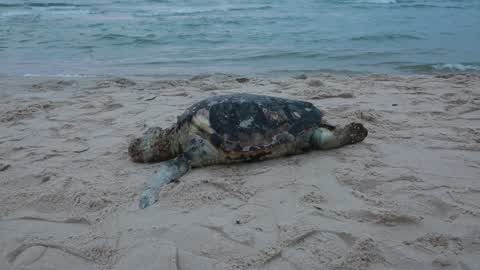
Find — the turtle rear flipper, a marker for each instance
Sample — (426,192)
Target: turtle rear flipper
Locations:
(325,124)
(323,138)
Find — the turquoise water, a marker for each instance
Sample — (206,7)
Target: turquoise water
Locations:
(162,37)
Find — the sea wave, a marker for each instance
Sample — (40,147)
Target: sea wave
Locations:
(223,9)
(456,67)
(13,13)
(426,6)
(256,57)
(121,39)
(282,55)
(373,1)
(61,75)
(410,4)
(51,4)
(192,11)
(441,67)
(45,13)
(364,55)
(385,37)
(251,8)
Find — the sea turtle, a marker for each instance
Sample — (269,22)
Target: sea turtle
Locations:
(235,128)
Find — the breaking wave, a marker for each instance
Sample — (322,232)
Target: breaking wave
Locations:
(441,67)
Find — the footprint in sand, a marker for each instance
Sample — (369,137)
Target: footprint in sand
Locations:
(24,112)
(436,242)
(40,256)
(112,107)
(34,244)
(308,248)
(69,254)
(312,198)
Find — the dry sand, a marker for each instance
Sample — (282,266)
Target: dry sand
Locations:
(408,197)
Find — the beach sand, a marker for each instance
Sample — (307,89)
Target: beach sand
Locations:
(408,197)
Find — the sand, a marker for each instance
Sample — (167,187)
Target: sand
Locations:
(408,197)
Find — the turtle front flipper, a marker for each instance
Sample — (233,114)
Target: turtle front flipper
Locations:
(169,171)
(199,152)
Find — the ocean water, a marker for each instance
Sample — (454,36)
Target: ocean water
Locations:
(166,37)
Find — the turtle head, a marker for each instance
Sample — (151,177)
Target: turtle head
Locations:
(153,146)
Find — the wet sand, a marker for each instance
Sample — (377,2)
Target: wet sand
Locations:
(408,197)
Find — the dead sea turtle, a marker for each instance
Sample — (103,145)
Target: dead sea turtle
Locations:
(235,128)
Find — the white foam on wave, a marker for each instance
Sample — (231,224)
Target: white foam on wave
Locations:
(455,67)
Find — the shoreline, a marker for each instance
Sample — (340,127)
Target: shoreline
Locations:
(257,74)
(405,198)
